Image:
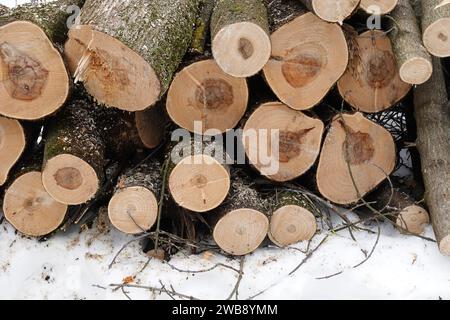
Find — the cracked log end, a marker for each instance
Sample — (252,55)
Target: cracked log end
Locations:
(372,82)
(241,231)
(436,37)
(34,82)
(413,219)
(291,224)
(241,49)
(30,209)
(300,137)
(133,210)
(366,147)
(378,6)
(199,183)
(69,179)
(203,92)
(334,11)
(111,72)
(12,145)
(308,56)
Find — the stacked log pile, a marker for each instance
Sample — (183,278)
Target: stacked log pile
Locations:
(89,112)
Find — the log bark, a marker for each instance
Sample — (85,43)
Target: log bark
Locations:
(432,112)
(129,64)
(308,55)
(378,7)
(413,61)
(280,142)
(436,27)
(371,82)
(74,157)
(240,224)
(240,36)
(134,206)
(205,94)
(202,27)
(292,219)
(332,10)
(357,156)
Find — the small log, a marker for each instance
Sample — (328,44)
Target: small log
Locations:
(299,140)
(129,64)
(378,7)
(240,224)
(372,82)
(74,156)
(433,142)
(240,36)
(202,92)
(12,145)
(332,10)
(436,27)
(358,154)
(308,55)
(199,182)
(133,208)
(292,220)
(202,27)
(27,205)
(413,61)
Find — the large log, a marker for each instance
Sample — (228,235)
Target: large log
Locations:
(129,63)
(436,27)
(357,155)
(413,61)
(332,10)
(432,112)
(240,36)
(74,155)
(298,141)
(308,55)
(203,93)
(372,82)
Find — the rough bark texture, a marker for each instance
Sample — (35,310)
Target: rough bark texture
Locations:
(432,10)
(287,198)
(52,17)
(147,175)
(227,12)
(75,132)
(432,111)
(284,11)
(406,36)
(160,31)
(202,26)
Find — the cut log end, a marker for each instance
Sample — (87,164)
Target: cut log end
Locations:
(299,140)
(444,246)
(357,155)
(133,210)
(308,56)
(34,78)
(416,71)
(12,145)
(69,179)
(436,38)
(111,72)
(241,49)
(413,219)
(30,209)
(241,231)
(379,7)
(199,183)
(291,224)
(334,11)
(203,92)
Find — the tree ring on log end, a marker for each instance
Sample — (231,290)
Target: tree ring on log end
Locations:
(30,209)
(111,72)
(378,7)
(416,70)
(33,77)
(380,69)
(69,179)
(358,146)
(444,246)
(199,183)
(241,49)
(291,224)
(241,231)
(413,219)
(12,145)
(334,11)
(203,93)
(436,38)
(133,210)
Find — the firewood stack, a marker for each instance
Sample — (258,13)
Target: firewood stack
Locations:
(114,89)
